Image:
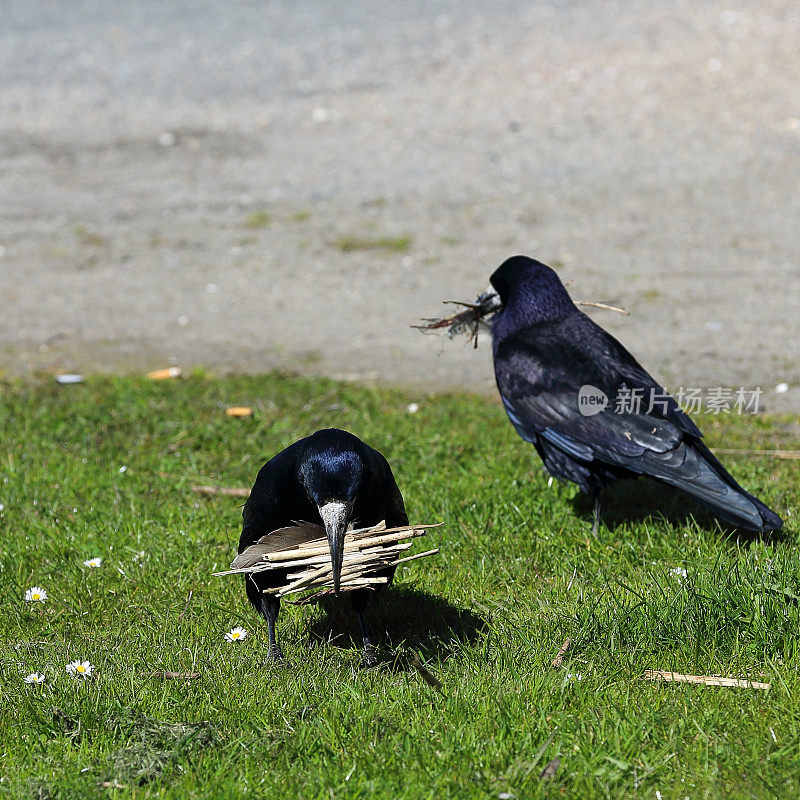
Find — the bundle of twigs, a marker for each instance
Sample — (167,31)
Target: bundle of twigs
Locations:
(302,553)
(476,314)
(469,320)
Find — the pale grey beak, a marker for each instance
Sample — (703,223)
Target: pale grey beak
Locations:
(489,301)
(335,516)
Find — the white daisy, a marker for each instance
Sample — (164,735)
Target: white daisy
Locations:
(679,571)
(35,595)
(93,562)
(34,677)
(236,635)
(81,668)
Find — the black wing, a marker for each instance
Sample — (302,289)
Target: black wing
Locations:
(540,372)
(276,500)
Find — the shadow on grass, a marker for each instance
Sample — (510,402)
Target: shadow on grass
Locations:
(645,500)
(399,619)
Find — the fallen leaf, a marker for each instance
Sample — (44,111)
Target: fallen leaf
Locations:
(548,773)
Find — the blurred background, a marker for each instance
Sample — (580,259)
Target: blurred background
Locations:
(244,186)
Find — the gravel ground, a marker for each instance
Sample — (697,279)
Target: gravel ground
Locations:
(255,185)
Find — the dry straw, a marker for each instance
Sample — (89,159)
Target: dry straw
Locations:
(705,680)
(302,554)
(474,315)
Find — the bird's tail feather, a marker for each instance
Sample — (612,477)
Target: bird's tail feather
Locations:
(701,475)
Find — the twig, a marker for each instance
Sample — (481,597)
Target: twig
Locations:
(475,314)
(174,676)
(300,554)
(789,455)
(470,319)
(312,598)
(308,552)
(357,544)
(424,672)
(368,582)
(707,680)
(188,600)
(418,555)
(559,659)
(350,557)
(604,306)
(227,491)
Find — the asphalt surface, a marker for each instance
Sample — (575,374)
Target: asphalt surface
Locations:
(254,185)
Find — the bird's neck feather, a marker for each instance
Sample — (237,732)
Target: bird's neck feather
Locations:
(528,306)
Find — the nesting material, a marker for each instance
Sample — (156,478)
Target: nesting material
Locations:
(788,455)
(302,552)
(477,314)
(468,321)
(229,491)
(239,411)
(706,680)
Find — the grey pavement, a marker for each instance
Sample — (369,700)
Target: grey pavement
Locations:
(253,185)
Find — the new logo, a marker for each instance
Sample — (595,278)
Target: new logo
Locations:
(591,400)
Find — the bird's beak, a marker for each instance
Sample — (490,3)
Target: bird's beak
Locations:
(489,301)
(335,516)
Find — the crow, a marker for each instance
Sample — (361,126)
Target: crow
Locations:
(330,478)
(569,388)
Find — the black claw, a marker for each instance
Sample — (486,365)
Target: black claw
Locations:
(368,658)
(597,510)
(276,658)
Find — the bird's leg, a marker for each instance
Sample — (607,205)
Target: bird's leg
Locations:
(326,635)
(270,606)
(368,659)
(597,504)
(359,600)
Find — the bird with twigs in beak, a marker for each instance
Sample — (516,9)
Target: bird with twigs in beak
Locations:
(330,478)
(592,412)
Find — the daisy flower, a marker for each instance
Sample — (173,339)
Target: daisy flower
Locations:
(34,677)
(35,595)
(82,668)
(236,635)
(93,562)
(679,571)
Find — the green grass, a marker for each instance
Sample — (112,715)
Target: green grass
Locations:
(87,237)
(518,573)
(258,219)
(395,244)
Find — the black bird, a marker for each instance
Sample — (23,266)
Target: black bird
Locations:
(569,387)
(331,478)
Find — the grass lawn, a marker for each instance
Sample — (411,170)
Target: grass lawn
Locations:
(105,469)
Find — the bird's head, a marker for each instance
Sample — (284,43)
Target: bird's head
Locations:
(530,291)
(331,469)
